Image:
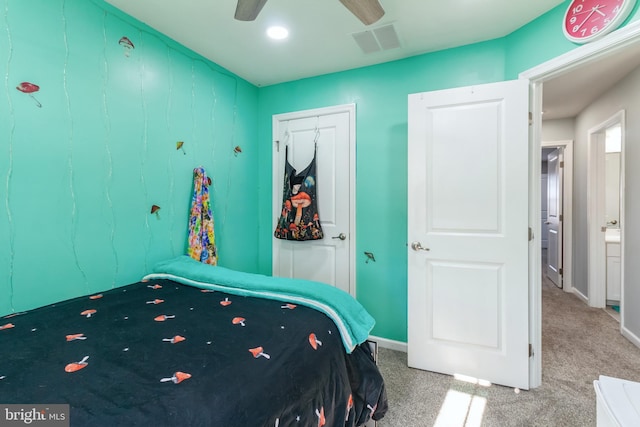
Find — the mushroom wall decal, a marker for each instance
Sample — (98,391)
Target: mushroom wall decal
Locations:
(179,146)
(155,209)
(238,321)
(370,257)
(7,326)
(237,150)
(163,317)
(127,45)
(30,89)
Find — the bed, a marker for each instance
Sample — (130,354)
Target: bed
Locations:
(197,345)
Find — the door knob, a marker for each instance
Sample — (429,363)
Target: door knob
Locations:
(340,236)
(417,246)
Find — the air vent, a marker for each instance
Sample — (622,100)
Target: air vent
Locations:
(377,39)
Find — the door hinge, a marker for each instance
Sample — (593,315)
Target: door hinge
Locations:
(277,145)
(530,118)
(530,234)
(530,350)
(561,164)
(560,272)
(560,218)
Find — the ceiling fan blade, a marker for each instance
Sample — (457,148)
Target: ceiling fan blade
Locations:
(248,10)
(367,11)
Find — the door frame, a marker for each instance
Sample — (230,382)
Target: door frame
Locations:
(567,211)
(595,213)
(578,57)
(276,174)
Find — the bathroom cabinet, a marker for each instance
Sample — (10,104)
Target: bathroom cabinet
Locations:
(613,272)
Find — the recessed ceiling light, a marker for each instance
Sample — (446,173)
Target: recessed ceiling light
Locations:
(277,33)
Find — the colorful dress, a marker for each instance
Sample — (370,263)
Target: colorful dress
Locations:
(299,219)
(202,242)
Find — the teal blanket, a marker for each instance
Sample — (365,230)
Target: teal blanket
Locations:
(352,320)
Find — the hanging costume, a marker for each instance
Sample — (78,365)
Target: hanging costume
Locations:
(299,218)
(202,243)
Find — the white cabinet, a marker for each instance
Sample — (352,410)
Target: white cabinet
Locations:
(613,271)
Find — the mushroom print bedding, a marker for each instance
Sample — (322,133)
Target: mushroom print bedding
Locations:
(163,353)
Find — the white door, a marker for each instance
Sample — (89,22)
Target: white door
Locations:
(554,216)
(332,131)
(468,232)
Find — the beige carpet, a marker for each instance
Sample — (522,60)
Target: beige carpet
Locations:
(579,343)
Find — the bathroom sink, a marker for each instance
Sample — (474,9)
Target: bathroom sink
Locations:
(612,235)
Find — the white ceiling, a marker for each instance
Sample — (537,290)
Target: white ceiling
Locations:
(321,41)
(567,95)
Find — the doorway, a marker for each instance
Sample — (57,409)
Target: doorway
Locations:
(583,58)
(606,211)
(562,244)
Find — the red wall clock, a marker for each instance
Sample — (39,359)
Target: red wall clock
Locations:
(587,20)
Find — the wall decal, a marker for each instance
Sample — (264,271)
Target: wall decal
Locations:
(30,89)
(237,150)
(127,45)
(155,209)
(370,257)
(180,146)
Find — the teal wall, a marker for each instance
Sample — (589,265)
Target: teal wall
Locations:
(380,94)
(78,176)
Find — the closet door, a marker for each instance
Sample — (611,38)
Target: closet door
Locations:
(330,131)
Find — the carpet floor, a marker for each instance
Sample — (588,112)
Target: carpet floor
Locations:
(579,343)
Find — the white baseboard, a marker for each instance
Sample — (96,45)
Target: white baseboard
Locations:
(631,336)
(390,344)
(580,295)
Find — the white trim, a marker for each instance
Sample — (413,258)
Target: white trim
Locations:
(390,344)
(535,251)
(580,296)
(635,340)
(344,108)
(597,277)
(623,223)
(583,55)
(567,211)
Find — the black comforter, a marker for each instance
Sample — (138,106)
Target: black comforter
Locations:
(160,353)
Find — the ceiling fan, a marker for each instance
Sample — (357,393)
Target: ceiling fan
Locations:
(367,11)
